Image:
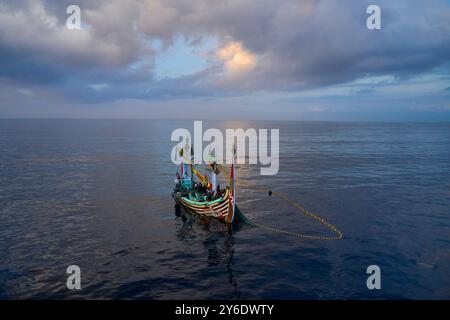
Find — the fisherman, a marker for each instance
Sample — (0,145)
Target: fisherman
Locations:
(218,191)
(186,170)
(177,180)
(213,182)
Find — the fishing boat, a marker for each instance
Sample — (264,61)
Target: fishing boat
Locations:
(199,193)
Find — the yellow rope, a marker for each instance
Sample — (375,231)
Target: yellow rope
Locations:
(333,228)
(339,234)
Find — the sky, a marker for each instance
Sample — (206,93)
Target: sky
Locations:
(226,59)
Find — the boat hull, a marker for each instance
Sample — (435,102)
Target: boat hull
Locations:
(218,209)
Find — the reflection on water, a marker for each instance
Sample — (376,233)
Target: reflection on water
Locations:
(96,193)
(218,241)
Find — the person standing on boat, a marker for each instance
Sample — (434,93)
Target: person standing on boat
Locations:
(186,172)
(218,191)
(213,182)
(177,180)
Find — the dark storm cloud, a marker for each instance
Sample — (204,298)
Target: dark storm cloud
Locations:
(297,44)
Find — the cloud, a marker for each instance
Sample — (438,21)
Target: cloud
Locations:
(311,43)
(36,47)
(32,30)
(262,45)
(236,59)
(25,91)
(99,86)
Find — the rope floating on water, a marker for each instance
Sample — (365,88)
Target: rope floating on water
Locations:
(339,234)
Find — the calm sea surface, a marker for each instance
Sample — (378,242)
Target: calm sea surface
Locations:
(97,193)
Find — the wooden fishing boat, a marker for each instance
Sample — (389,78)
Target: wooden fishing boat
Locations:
(220,208)
(199,194)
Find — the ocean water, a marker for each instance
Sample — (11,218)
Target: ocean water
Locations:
(97,193)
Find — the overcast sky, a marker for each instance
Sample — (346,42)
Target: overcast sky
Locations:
(251,59)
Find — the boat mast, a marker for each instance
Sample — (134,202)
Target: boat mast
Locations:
(232,199)
(234,179)
(192,166)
